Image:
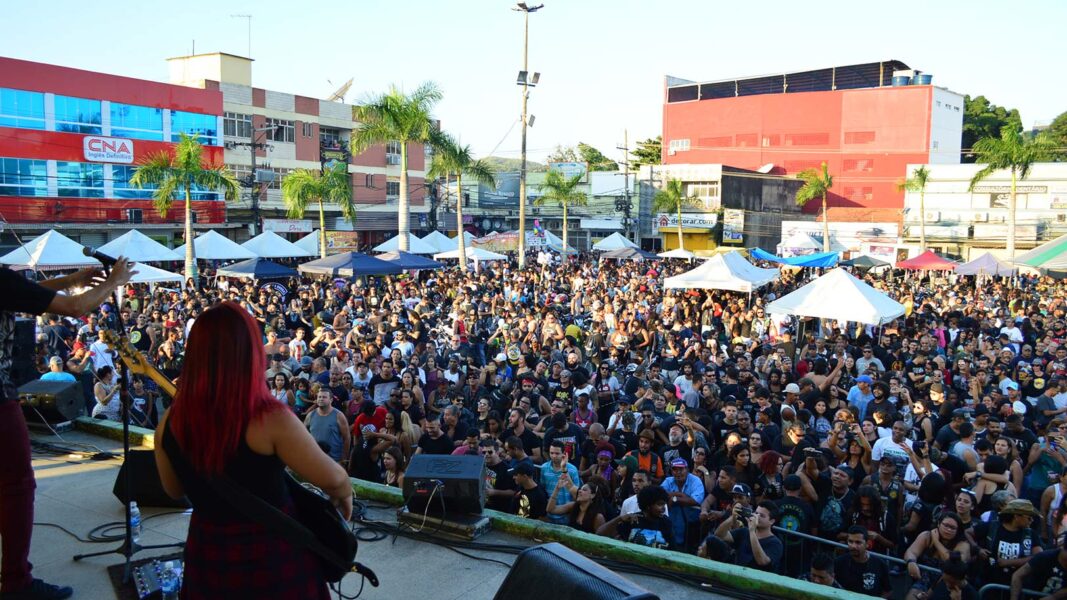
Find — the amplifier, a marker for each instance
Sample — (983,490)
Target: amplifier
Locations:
(455,482)
(57,401)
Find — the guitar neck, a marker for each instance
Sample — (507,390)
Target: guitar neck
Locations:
(165,385)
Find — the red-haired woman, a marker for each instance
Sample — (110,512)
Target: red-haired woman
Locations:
(224,421)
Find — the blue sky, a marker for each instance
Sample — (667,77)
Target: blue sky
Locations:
(602,62)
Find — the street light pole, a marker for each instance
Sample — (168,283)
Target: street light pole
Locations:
(526,10)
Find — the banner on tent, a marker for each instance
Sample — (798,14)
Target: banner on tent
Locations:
(341,241)
(498,242)
(275,287)
(287,225)
(733,225)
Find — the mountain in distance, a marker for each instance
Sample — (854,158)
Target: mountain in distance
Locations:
(500,164)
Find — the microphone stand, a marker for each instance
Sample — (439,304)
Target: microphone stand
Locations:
(129,547)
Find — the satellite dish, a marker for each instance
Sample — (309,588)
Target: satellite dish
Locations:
(765,169)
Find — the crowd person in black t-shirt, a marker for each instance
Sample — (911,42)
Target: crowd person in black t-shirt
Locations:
(530,501)
(434,440)
(649,527)
(746,539)
(1044,572)
(859,571)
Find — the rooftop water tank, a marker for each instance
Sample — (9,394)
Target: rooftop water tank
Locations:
(901,80)
(922,79)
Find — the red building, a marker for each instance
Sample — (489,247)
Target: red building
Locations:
(867,122)
(68,142)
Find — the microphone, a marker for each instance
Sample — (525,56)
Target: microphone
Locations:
(109,261)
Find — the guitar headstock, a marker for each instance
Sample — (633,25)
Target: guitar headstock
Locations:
(133,359)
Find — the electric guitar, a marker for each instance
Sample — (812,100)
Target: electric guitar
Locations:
(317,526)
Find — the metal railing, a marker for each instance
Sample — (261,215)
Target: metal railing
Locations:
(1007,588)
(833,544)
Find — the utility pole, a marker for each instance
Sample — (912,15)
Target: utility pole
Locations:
(627,222)
(525,83)
(252,182)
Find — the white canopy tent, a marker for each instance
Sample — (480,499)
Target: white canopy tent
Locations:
(839,295)
(728,271)
(805,242)
(415,245)
(271,245)
(212,245)
(138,247)
(150,274)
(677,253)
(986,264)
(477,254)
(468,237)
(309,243)
(49,251)
(440,241)
(615,241)
(555,243)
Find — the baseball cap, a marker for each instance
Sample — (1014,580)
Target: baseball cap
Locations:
(679,463)
(1018,407)
(959,413)
(864,379)
(1011,385)
(500,357)
(631,368)
(629,462)
(742,489)
(523,468)
(792,388)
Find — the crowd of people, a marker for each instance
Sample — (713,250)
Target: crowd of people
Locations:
(692,420)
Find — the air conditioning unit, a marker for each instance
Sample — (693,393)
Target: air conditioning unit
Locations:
(982,217)
(135,215)
(1061,218)
(264,176)
(229,145)
(932,216)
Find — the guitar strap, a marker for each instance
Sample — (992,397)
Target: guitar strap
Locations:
(259,510)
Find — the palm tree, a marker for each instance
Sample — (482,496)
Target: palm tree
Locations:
(671,199)
(398,117)
(917,183)
(563,190)
(817,183)
(303,186)
(452,158)
(181,171)
(1017,154)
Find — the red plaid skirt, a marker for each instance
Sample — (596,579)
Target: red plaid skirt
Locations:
(234,560)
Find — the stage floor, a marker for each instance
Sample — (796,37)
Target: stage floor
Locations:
(75,493)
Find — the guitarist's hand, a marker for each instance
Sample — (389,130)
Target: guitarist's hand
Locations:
(344,505)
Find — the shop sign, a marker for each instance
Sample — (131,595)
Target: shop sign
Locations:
(287,225)
(733,225)
(107,149)
(689,220)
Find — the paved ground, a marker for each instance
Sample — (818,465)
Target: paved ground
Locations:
(76,494)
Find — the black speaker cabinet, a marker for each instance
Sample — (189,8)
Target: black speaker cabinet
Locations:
(461,479)
(57,401)
(24,357)
(557,572)
(145,487)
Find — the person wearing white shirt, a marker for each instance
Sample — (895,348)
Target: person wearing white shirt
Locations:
(629,505)
(897,446)
(101,353)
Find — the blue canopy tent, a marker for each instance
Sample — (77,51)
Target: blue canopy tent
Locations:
(408,261)
(257,268)
(350,264)
(822,259)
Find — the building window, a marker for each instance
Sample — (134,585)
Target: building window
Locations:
(859,137)
(78,115)
(280,130)
(120,180)
(678,145)
(329,137)
(80,180)
(23,177)
(138,122)
(706,192)
(203,127)
(21,109)
(279,175)
(237,125)
(392,191)
(392,153)
(309,131)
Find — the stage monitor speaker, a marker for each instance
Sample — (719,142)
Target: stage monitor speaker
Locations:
(145,487)
(554,571)
(573,577)
(57,401)
(461,479)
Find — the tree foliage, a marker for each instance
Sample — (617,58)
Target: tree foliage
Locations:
(647,152)
(1056,134)
(583,153)
(984,120)
(672,198)
(303,187)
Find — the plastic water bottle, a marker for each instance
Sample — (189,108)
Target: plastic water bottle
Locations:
(135,523)
(169,583)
